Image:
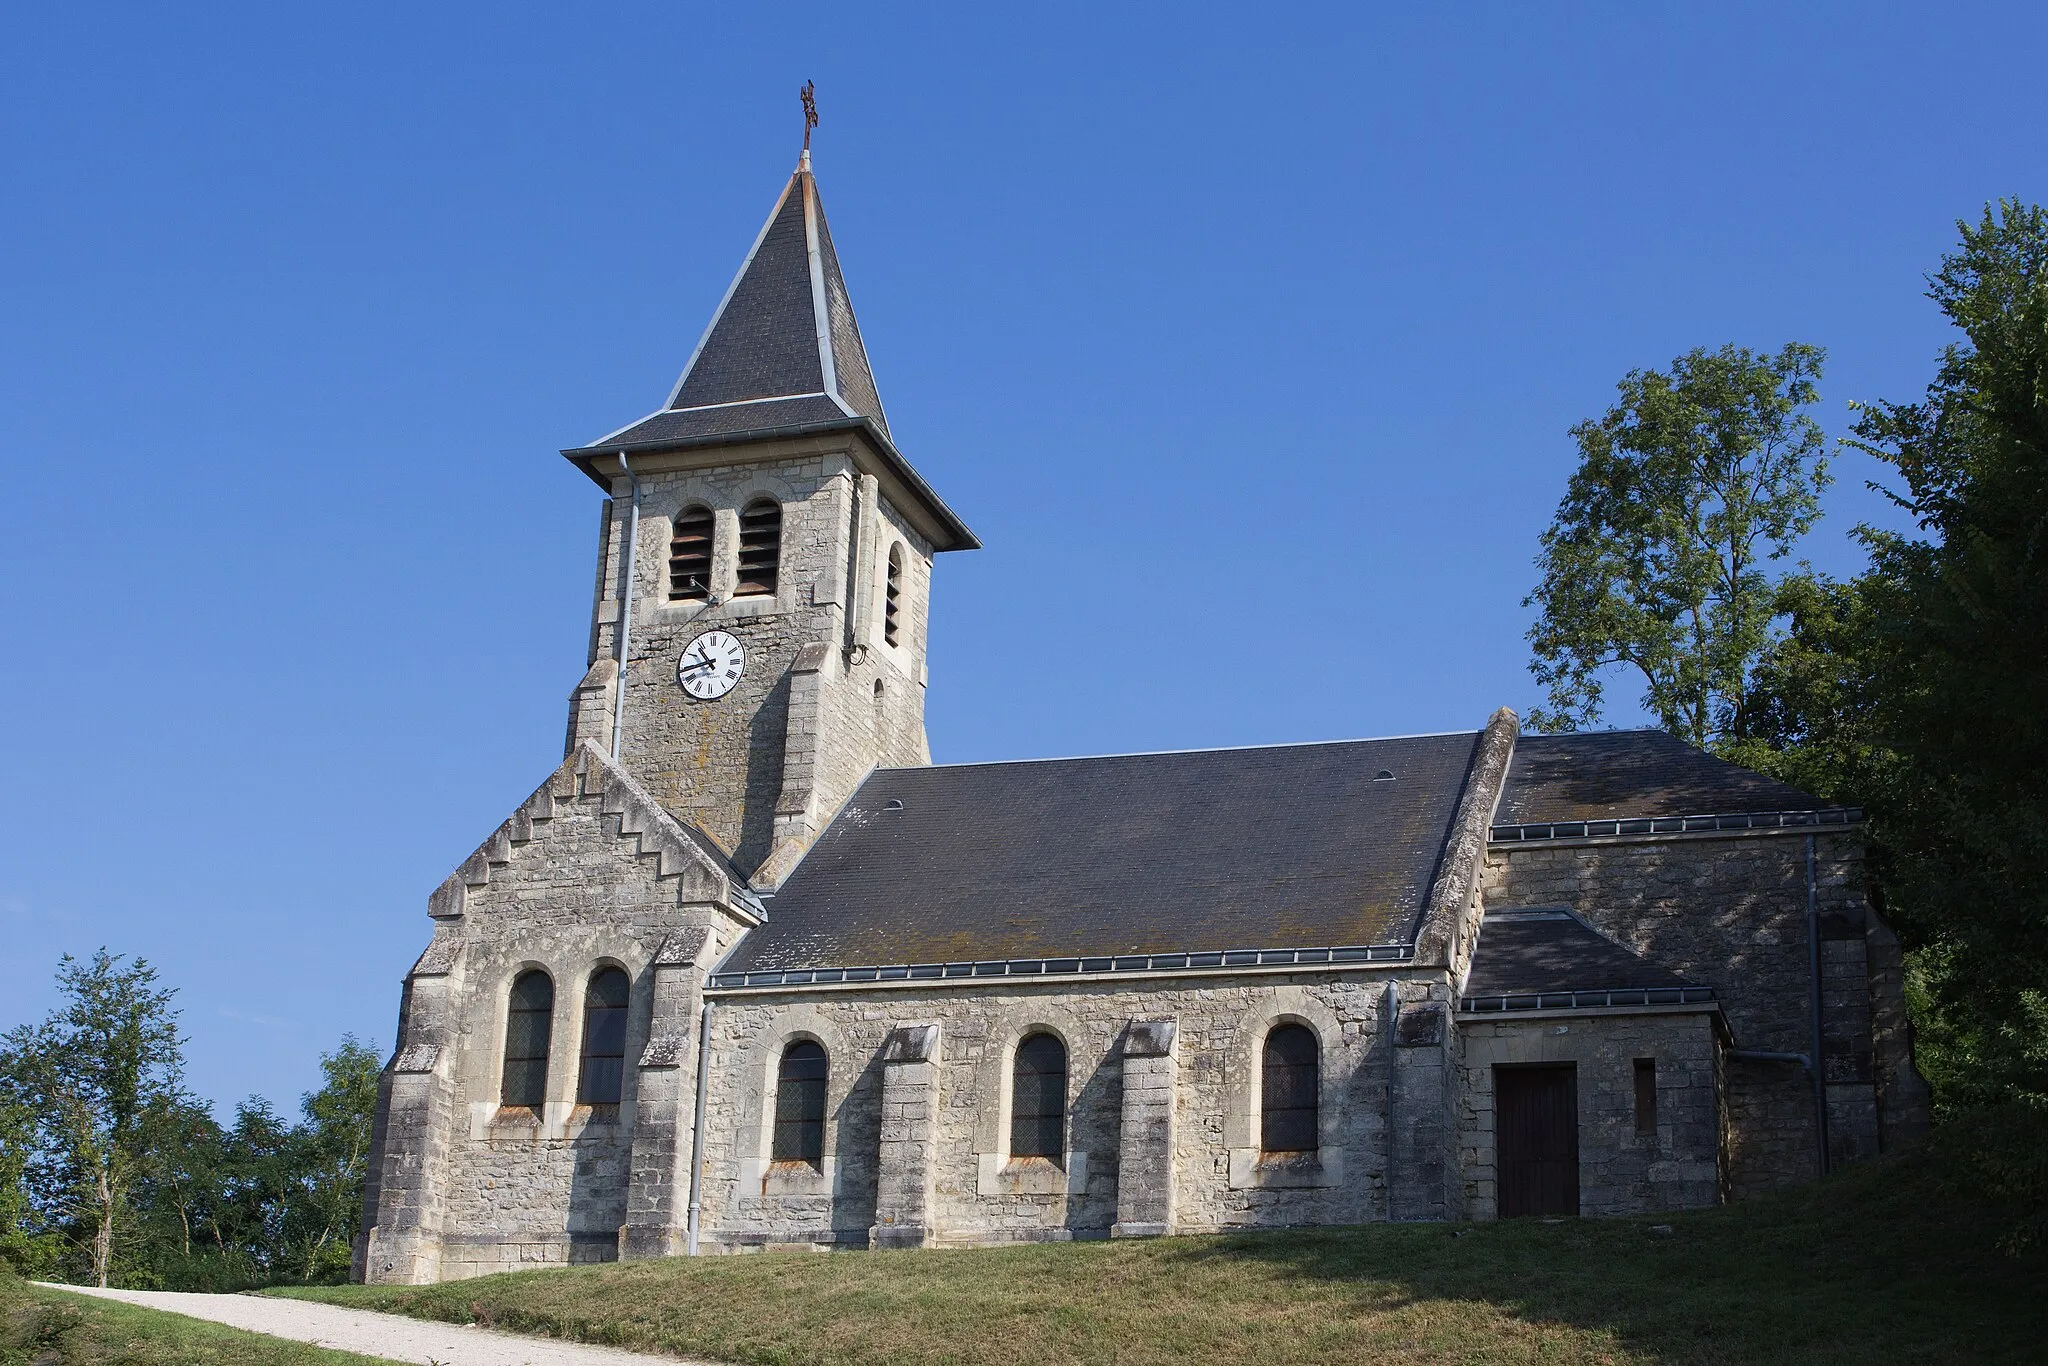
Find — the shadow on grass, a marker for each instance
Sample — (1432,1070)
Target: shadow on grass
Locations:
(1877,1263)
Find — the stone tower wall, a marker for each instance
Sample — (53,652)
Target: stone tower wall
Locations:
(766,765)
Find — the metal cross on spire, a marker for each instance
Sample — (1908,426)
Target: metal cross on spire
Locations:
(809,92)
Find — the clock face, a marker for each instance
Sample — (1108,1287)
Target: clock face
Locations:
(711,665)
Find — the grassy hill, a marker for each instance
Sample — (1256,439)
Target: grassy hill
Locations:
(41,1327)
(1876,1264)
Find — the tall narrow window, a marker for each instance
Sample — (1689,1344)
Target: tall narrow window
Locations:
(800,1104)
(1292,1082)
(604,1038)
(529,1022)
(1038,1099)
(689,556)
(892,595)
(760,548)
(1646,1097)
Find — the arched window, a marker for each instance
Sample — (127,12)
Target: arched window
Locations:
(604,1038)
(1289,1106)
(800,1104)
(1038,1099)
(892,595)
(529,1023)
(760,548)
(689,556)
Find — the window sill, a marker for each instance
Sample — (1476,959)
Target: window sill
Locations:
(696,612)
(1001,1174)
(790,1178)
(1251,1169)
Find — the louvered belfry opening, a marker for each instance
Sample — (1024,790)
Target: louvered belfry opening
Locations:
(1038,1099)
(1290,1105)
(529,1025)
(892,595)
(760,549)
(689,556)
(603,1076)
(800,1104)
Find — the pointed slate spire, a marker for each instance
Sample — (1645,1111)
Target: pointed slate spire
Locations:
(785,328)
(783,355)
(784,346)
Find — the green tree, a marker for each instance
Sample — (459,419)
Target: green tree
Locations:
(1658,557)
(331,1158)
(1957,657)
(103,1077)
(27,1248)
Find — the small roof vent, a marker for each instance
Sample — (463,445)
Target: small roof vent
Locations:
(1385,775)
(893,804)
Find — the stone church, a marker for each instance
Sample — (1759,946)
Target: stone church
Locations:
(748,970)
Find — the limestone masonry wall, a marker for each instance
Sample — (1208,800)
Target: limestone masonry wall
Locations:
(820,702)
(1620,1171)
(587,876)
(980,1194)
(1729,911)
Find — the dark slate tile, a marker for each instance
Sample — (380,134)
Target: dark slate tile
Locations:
(766,341)
(1294,846)
(1553,950)
(1620,773)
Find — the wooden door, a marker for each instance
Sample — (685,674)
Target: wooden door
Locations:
(1536,1136)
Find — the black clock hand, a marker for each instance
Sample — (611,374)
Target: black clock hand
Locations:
(690,668)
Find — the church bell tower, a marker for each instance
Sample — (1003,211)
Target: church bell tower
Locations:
(764,646)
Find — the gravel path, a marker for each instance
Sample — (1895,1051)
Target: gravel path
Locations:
(378,1335)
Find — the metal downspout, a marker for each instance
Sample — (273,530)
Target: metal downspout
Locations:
(1818,1070)
(628,571)
(1390,1017)
(697,1125)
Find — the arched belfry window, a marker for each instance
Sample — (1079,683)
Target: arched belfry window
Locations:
(529,1023)
(800,1104)
(1038,1099)
(604,1038)
(689,556)
(760,548)
(892,596)
(1288,1108)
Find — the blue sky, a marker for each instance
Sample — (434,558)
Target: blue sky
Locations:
(1247,340)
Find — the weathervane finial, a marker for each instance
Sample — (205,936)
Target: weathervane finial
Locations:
(809,92)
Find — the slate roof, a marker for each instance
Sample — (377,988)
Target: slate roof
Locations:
(1289,846)
(1552,950)
(1620,773)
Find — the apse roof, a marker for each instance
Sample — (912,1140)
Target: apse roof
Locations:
(1548,949)
(1621,773)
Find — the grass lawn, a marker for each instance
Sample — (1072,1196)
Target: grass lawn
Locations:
(1873,1265)
(41,1327)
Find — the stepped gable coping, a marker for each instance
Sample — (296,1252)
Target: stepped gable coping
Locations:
(439,957)
(683,948)
(703,873)
(417,1057)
